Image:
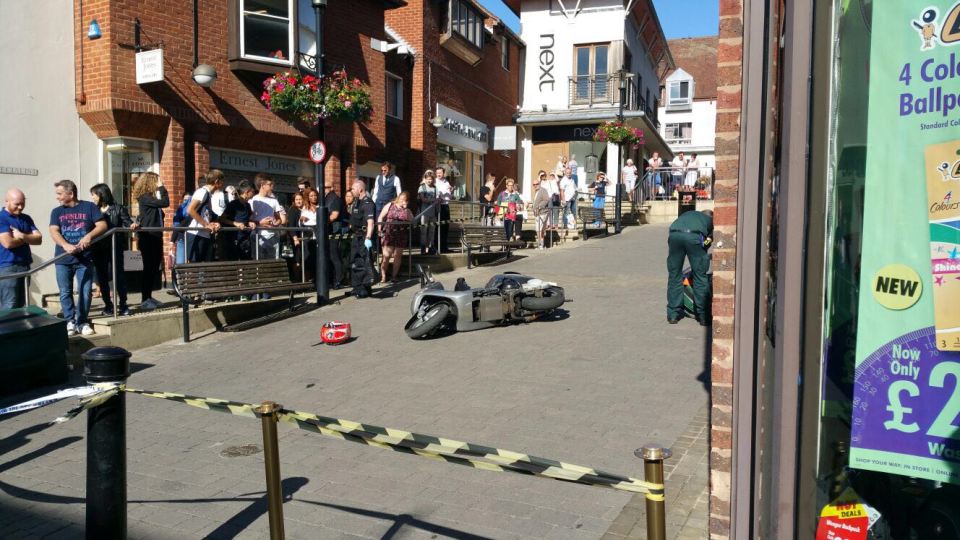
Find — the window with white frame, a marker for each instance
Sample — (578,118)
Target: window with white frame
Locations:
(678,133)
(394,96)
(467,22)
(267,29)
(505,53)
(680,93)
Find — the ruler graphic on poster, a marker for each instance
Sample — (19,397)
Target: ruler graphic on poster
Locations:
(906,405)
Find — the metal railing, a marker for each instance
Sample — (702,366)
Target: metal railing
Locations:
(603,90)
(660,183)
(111,236)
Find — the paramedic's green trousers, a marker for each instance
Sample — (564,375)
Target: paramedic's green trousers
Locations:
(689,245)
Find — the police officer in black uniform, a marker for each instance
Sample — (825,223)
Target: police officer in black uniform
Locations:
(363,228)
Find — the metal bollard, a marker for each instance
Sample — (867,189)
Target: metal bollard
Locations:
(616,211)
(107,446)
(653,456)
(271,463)
(320,277)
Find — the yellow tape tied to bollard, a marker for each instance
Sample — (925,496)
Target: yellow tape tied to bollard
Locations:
(438,448)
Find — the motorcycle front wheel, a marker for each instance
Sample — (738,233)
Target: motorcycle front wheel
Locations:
(431,320)
(552,299)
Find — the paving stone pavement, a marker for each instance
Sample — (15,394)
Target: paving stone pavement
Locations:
(588,388)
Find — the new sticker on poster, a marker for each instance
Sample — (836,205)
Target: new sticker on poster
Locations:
(906,405)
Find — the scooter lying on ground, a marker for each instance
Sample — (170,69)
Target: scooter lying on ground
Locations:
(507,298)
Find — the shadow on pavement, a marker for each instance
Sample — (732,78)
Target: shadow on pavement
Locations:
(704,377)
(400,521)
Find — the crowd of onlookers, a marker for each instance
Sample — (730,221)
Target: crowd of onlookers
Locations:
(247,221)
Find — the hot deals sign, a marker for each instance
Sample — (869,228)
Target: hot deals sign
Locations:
(906,406)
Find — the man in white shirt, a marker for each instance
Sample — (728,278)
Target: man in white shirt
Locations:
(267,213)
(629,177)
(199,244)
(386,187)
(445,194)
(568,194)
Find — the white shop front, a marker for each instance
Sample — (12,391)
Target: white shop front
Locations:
(461,144)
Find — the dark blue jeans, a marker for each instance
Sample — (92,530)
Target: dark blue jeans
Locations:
(83,272)
(11,290)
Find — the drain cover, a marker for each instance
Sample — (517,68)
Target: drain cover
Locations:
(241,451)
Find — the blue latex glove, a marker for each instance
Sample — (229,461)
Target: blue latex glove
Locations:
(367,243)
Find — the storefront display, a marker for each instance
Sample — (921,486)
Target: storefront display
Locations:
(123,160)
(461,144)
(890,414)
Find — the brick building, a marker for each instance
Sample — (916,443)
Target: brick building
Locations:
(181,129)
(456,76)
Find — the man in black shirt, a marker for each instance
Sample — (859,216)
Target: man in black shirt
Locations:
(335,213)
(238,214)
(362,226)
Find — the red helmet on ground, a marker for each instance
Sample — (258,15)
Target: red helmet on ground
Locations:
(335,332)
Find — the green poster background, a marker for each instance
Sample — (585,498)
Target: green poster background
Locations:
(896,231)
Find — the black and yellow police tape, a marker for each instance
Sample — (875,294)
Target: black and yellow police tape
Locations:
(105,391)
(438,448)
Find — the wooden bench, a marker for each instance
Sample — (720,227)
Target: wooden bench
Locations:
(594,219)
(198,282)
(483,237)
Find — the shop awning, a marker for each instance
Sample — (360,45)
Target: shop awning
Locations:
(654,141)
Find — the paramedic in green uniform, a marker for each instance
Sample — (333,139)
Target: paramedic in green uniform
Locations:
(690,235)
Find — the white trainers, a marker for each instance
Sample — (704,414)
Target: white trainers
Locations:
(86,329)
(71,328)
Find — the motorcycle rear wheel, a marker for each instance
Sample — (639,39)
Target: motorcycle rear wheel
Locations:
(432,320)
(552,299)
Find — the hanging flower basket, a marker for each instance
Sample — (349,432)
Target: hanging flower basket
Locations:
(617,133)
(334,97)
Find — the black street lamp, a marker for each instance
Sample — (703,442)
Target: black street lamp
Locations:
(319,6)
(618,227)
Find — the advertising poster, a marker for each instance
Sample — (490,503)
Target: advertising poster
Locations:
(906,406)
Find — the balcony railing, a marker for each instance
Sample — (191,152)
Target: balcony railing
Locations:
(603,90)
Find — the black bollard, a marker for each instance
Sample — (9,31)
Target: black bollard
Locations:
(320,277)
(616,210)
(107,446)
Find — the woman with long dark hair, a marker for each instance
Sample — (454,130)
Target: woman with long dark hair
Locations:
(152,198)
(116,215)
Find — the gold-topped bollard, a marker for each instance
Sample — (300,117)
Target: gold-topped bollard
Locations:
(267,411)
(653,456)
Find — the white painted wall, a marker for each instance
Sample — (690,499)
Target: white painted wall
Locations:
(703,116)
(551,37)
(40,126)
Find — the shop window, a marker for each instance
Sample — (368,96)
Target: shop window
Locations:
(678,133)
(680,94)
(394,93)
(265,31)
(122,162)
(591,83)
(505,53)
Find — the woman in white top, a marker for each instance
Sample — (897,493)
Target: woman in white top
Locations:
(308,218)
(561,166)
(693,171)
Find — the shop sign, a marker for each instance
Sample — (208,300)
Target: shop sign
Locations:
(505,137)
(19,170)
(150,66)
(564,133)
(906,403)
(244,161)
(846,518)
(461,131)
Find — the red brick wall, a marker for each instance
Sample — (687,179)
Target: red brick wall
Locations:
(485,92)
(729,78)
